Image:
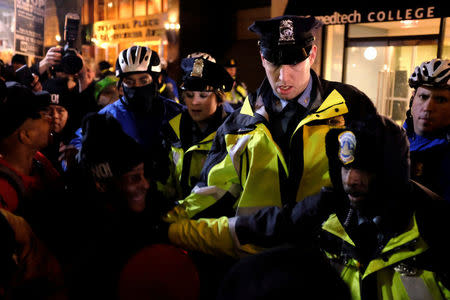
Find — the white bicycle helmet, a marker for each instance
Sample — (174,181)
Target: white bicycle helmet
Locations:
(435,72)
(138,59)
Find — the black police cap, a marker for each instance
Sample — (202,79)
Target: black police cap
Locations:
(199,73)
(287,39)
(230,63)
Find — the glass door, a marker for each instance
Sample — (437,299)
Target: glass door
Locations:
(382,72)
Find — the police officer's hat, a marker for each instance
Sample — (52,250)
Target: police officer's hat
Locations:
(199,73)
(286,39)
(230,63)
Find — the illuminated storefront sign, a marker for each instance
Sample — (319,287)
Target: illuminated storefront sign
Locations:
(141,28)
(385,15)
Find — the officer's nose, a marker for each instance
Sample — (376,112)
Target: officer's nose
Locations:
(284,72)
(352,177)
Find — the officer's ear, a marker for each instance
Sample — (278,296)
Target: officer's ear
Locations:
(313,54)
(262,57)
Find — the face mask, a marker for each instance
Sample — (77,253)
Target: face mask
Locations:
(140,99)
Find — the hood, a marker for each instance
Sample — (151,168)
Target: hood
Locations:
(381,146)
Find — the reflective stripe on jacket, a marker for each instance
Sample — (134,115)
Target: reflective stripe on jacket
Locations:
(253,158)
(247,179)
(396,277)
(188,164)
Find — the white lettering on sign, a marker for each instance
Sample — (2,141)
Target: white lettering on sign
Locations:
(378,16)
(141,28)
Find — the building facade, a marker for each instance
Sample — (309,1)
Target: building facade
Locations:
(110,26)
(376,50)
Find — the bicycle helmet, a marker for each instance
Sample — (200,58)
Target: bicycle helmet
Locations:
(435,72)
(138,59)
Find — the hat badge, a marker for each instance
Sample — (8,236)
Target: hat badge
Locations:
(286,32)
(197,68)
(347,146)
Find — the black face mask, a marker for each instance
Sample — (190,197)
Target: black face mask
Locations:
(140,99)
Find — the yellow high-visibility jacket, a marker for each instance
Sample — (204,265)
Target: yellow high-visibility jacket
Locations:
(246,170)
(395,271)
(188,160)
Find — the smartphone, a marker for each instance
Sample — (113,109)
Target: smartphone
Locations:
(24,76)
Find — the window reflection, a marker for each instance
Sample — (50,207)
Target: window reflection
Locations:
(125,11)
(111,9)
(154,7)
(140,8)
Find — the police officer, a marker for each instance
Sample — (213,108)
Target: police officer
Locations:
(380,230)
(271,152)
(238,92)
(428,125)
(203,87)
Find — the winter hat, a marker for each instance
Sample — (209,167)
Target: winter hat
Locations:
(106,150)
(59,92)
(18,105)
(376,144)
(101,85)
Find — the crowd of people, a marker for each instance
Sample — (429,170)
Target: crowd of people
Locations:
(119,183)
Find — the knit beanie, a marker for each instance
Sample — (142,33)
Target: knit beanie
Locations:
(106,150)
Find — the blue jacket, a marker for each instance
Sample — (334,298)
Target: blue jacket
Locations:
(142,130)
(430,161)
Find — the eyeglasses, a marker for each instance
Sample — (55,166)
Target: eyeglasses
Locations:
(129,82)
